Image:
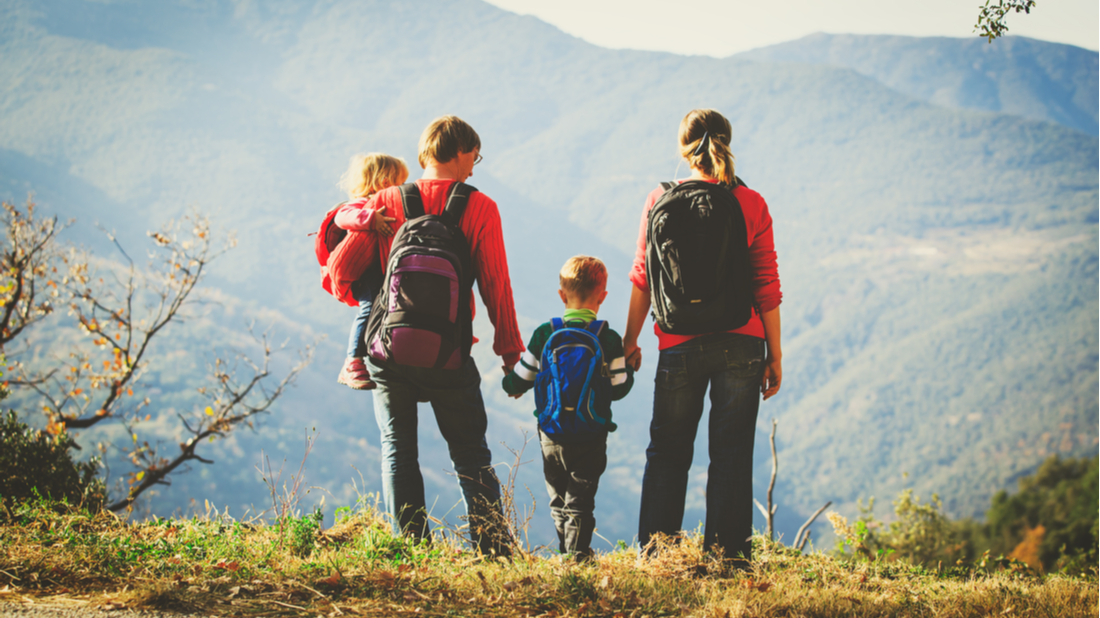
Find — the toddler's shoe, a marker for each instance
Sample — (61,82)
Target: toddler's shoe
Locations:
(355,375)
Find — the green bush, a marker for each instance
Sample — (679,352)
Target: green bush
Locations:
(35,464)
(1061,497)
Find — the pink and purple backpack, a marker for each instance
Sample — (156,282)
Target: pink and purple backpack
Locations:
(422,316)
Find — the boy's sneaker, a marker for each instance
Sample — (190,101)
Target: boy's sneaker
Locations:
(355,375)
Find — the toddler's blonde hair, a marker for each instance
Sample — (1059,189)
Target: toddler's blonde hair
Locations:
(369,173)
(582,275)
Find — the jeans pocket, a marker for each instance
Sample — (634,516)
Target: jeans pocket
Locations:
(671,372)
(743,366)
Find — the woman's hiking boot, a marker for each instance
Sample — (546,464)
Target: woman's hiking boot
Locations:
(355,375)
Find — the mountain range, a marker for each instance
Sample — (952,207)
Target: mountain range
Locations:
(935,204)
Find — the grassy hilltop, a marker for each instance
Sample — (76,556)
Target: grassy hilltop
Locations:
(217,566)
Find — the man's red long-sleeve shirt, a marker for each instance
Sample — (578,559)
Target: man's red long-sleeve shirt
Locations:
(481,226)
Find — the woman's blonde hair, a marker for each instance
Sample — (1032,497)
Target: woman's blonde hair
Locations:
(582,275)
(705,144)
(369,173)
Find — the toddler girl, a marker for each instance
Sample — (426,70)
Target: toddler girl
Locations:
(366,175)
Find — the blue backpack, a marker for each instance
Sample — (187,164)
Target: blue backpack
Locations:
(574,382)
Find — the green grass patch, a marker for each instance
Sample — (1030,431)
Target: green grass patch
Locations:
(215,565)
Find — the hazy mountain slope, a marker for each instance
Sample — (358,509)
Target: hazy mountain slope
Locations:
(1014,75)
(939,265)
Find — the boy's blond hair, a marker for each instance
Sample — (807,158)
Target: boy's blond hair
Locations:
(444,138)
(582,276)
(370,173)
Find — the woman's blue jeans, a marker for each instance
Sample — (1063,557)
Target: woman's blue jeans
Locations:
(732,365)
(455,398)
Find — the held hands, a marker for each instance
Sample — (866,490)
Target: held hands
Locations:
(508,370)
(773,376)
(633,354)
(382,224)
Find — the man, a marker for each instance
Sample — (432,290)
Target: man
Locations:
(449,149)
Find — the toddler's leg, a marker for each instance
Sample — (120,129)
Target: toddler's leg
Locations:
(355,373)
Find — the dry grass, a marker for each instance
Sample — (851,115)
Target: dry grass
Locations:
(217,566)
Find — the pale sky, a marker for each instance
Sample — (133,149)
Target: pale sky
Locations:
(723,27)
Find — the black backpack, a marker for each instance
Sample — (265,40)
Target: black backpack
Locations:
(697,261)
(422,316)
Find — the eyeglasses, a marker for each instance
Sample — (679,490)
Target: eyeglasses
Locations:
(478,159)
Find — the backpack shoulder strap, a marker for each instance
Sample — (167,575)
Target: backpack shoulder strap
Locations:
(557,324)
(411,201)
(456,203)
(596,327)
(667,186)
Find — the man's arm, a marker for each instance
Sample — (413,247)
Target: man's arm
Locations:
(493,281)
(351,258)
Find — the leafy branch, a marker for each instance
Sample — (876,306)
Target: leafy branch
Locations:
(991,17)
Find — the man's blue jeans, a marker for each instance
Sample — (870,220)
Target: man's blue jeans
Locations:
(733,366)
(455,397)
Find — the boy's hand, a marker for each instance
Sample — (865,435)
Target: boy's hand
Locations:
(516,396)
(382,224)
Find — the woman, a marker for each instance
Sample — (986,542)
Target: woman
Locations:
(736,365)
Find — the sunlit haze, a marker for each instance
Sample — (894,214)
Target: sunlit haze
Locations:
(723,27)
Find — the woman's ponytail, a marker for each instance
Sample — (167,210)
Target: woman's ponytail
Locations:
(705,144)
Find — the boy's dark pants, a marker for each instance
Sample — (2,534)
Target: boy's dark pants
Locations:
(572,476)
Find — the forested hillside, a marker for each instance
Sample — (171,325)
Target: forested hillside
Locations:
(939,263)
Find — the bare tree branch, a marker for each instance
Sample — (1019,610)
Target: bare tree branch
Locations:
(769,513)
(234,405)
(799,540)
(120,317)
(30,256)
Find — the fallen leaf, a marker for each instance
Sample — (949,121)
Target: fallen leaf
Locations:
(605,582)
(332,580)
(228,566)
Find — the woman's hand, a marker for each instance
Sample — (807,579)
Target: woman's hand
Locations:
(633,354)
(639,308)
(382,224)
(773,376)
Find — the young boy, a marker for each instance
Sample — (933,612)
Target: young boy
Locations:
(574,438)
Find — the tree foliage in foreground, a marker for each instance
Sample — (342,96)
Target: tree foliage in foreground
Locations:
(119,309)
(991,18)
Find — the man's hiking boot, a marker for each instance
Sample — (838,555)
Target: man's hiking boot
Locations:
(355,375)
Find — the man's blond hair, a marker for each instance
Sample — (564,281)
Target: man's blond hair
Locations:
(582,276)
(444,138)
